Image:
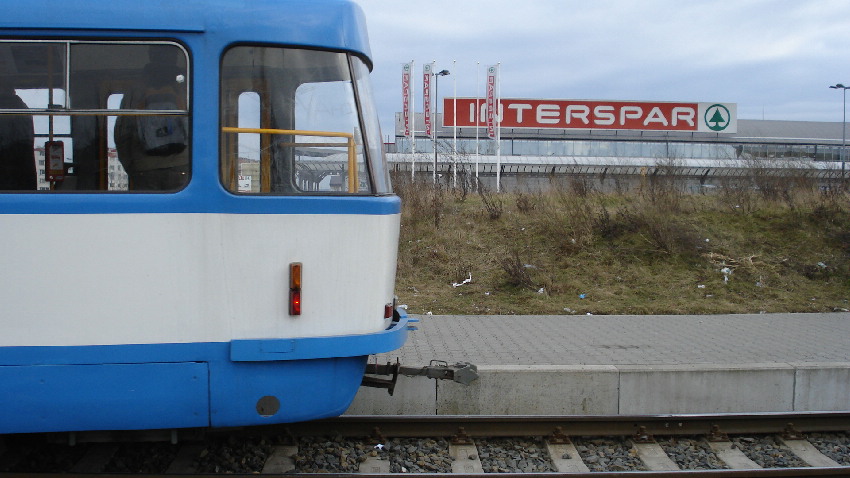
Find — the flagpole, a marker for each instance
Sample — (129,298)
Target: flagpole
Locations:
(413,120)
(498,128)
(477,115)
(428,69)
(493,113)
(434,120)
(454,127)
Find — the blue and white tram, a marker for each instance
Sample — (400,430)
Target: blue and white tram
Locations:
(196,222)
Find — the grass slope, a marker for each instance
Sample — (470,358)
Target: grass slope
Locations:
(655,250)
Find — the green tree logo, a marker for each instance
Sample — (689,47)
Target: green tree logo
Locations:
(717,117)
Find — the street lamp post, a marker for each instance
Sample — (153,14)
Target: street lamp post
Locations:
(437,114)
(843,88)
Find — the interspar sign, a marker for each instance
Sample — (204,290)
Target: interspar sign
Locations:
(582,114)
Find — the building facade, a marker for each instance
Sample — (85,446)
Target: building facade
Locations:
(777,147)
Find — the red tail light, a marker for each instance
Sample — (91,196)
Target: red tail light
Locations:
(294,302)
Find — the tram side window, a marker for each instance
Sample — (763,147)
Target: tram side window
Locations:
(30,77)
(101,116)
(151,137)
(292,123)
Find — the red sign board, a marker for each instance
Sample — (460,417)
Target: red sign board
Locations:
(598,114)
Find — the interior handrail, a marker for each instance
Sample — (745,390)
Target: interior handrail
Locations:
(352,153)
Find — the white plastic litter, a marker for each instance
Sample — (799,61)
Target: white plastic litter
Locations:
(465,281)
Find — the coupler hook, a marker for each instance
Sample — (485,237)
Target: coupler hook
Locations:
(461,372)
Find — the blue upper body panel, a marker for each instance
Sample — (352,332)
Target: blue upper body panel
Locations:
(206,28)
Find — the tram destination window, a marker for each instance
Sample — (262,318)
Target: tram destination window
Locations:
(94,116)
(298,121)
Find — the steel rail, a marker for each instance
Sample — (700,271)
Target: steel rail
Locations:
(763,473)
(540,425)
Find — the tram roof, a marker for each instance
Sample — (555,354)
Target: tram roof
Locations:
(332,24)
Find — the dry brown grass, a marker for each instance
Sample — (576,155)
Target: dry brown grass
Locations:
(653,251)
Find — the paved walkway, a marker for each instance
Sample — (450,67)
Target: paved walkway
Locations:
(628,340)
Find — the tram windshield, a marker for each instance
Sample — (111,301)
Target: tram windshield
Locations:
(298,121)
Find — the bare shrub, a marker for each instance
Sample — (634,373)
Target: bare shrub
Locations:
(621,186)
(461,191)
(558,183)
(413,196)
(738,195)
(776,179)
(526,202)
(604,224)
(571,220)
(670,237)
(801,184)
(492,203)
(516,270)
(437,204)
(421,200)
(833,203)
(661,185)
(663,231)
(580,185)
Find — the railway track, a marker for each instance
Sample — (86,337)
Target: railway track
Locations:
(809,444)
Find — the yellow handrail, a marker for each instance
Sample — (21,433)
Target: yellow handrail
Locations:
(352,153)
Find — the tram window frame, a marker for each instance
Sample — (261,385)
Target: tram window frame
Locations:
(278,79)
(120,67)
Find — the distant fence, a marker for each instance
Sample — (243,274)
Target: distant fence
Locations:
(534,172)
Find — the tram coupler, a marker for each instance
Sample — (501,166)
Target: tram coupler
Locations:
(461,372)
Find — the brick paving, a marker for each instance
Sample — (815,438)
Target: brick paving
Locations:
(628,340)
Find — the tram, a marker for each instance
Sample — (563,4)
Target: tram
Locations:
(197,227)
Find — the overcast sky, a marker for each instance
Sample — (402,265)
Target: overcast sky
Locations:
(775,59)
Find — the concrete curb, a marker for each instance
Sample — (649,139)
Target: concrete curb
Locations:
(620,389)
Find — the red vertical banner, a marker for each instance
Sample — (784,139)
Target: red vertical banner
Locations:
(492,78)
(426,97)
(405,97)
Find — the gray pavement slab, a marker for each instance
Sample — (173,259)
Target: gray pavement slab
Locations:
(628,339)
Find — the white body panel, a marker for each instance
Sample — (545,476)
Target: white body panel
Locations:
(99,279)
